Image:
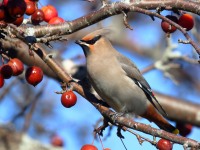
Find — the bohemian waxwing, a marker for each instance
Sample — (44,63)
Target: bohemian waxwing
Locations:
(118,81)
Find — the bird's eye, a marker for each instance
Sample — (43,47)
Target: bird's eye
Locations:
(93,41)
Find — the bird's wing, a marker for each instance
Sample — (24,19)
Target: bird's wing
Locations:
(133,72)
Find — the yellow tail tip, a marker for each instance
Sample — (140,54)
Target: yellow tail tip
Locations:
(176,131)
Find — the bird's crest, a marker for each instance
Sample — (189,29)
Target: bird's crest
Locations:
(103,32)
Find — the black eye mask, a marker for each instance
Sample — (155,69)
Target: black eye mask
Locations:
(92,41)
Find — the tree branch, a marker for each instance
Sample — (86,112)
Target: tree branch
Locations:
(109,10)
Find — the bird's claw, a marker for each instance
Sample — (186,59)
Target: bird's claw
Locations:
(115,115)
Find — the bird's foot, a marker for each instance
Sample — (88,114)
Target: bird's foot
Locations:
(100,129)
(119,134)
(115,115)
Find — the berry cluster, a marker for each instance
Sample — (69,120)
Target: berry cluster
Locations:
(186,21)
(15,67)
(51,15)
(13,11)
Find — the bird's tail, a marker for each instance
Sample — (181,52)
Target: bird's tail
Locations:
(152,115)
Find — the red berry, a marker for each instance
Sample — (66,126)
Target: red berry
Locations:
(30,7)
(164,145)
(17,66)
(34,75)
(2,12)
(18,21)
(5,2)
(8,18)
(37,17)
(29,1)
(168,28)
(186,21)
(57,141)
(6,71)
(88,147)
(49,12)
(184,129)
(106,149)
(1,80)
(68,99)
(16,8)
(56,20)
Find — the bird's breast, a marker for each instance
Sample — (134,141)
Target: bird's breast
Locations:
(114,87)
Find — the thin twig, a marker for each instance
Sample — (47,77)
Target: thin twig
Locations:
(148,68)
(33,106)
(140,138)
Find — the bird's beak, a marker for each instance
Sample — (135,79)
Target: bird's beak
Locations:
(78,42)
(83,45)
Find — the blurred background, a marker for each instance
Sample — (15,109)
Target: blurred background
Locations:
(39,112)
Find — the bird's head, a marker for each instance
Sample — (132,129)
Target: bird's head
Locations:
(93,41)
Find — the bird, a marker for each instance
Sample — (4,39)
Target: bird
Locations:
(118,81)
